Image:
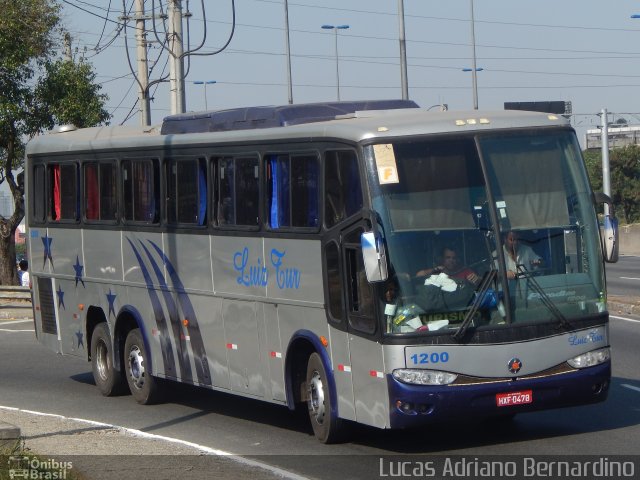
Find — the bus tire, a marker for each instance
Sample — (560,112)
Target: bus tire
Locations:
(326,427)
(109,381)
(144,387)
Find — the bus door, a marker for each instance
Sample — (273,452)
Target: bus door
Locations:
(366,353)
(357,357)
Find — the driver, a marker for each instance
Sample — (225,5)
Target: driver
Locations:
(450,265)
(516,254)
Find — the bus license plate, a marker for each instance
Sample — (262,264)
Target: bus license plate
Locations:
(514,398)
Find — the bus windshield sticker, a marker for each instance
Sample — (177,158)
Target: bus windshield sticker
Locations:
(386,163)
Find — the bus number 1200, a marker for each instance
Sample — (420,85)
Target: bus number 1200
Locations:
(434,357)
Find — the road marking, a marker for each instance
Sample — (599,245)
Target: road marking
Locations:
(625,319)
(9,330)
(637,389)
(630,278)
(140,433)
(16,321)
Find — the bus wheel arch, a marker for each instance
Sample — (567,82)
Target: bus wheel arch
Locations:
(310,383)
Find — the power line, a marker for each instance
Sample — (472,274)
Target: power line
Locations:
(453,19)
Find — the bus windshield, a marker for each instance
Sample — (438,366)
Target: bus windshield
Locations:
(486,231)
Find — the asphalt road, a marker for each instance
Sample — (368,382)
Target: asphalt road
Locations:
(33,378)
(623,278)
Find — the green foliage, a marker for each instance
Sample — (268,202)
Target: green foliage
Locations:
(624,171)
(68,94)
(37,90)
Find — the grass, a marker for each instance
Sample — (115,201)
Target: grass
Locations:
(19,462)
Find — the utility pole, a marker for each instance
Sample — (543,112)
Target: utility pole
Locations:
(403,53)
(474,71)
(67,47)
(176,61)
(143,68)
(288,48)
(606,178)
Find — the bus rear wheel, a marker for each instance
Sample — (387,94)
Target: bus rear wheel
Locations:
(109,381)
(144,387)
(326,427)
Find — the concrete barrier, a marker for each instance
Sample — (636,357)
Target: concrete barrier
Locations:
(630,239)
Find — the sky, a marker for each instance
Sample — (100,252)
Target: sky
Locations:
(583,51)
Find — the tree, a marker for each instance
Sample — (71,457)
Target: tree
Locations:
(625,181)
(624,172)
(37,90)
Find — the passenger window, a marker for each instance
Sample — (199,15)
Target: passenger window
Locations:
(186,191)
(237,202)
(100,193)
(342,190)
(139,180)
(334,281)
(292,186)
(39,204)
(360,292)
(63,188)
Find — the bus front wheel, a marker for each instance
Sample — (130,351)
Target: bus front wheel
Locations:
(326,427)
(109,381)
(143,386)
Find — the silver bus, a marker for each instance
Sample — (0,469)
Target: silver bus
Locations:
(372,262)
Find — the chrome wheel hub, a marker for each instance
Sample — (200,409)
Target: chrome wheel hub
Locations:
(316,398)
(136,366)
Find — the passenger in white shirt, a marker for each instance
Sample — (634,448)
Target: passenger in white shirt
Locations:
(23,273)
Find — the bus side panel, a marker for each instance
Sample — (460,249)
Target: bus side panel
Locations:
(294,269)
(211,326)
(102,254)
(369,382)
(239,266)
(140,261)
(189,255)
(44,290)
(66,259)
(273,356)
(340,360)
(243,346)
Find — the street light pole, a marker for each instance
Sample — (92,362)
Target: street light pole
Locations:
(205,83)
(403,53)
(474,75)
(288,47)
(335,31)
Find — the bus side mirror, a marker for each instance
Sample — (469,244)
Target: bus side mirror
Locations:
(611,244)
(375,258)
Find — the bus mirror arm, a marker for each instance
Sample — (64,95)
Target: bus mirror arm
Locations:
(610,235)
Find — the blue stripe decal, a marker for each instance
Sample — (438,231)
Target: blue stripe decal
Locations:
(179,337)
(197,345)
(165,341)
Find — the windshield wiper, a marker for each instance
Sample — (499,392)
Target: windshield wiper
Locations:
(562,320)
(480,293)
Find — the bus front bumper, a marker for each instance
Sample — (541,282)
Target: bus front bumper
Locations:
(415,405)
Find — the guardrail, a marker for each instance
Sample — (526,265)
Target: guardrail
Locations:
(14,294)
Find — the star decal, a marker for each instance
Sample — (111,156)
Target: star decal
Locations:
(60,297)
(111,298)
(78,268)
(79,336)
(46,243)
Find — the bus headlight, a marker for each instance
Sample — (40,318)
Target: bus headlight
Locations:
(589,359)
(423,377)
